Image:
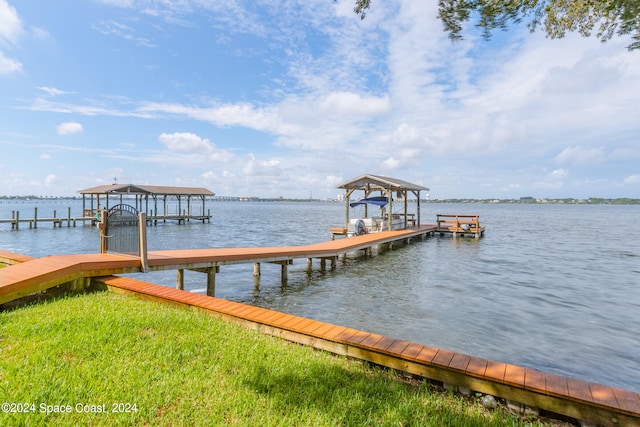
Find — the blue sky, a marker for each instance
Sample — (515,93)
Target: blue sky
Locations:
(268,99)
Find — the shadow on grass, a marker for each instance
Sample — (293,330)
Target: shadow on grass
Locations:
(346,398)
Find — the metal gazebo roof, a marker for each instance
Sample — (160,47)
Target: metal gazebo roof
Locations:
(153,190)
(378,182)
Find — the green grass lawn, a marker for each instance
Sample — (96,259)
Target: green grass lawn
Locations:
(143,363)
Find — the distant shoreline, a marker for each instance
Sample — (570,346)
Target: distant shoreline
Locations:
(522,200)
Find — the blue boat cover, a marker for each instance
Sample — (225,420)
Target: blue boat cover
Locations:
(378,201)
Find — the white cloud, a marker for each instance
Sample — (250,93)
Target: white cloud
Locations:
(632,179)
(581,156)
(184,141)
(10,31)
(10,23)
(118,29)
(50,180)
(190,143)
(51,90)
(8,65)
(553,180)
(68,128)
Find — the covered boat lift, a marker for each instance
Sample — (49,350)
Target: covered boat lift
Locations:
(118,193)
(380,190)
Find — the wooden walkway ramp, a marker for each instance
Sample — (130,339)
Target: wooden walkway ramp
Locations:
(33,275)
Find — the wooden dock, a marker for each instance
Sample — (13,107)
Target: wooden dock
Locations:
(523,387)
(57,221)
(459,225)
(42,273)
(87,219)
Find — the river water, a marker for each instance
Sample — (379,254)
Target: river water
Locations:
(551,287)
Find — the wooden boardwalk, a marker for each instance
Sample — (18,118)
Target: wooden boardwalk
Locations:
(42,273)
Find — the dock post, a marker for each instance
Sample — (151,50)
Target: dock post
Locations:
(285,271)
(323,264)
(69,217)
(256,269)
(211,281)
(180,279)
(35,218)
(334,261)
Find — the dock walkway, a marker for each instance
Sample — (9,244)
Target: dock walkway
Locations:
(39,274)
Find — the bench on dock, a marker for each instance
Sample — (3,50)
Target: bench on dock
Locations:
(337,231)
(462,224)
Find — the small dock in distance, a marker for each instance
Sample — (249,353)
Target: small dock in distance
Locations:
(459,225)
(57,221)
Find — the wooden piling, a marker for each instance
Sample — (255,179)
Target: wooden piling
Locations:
(211,281)
(180,279)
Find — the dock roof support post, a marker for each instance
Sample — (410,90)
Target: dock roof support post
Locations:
(346,201)
(405,209)
(418,209)
(389,214)
(164,212)
(155,209)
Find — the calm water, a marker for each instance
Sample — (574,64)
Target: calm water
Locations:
(552,287)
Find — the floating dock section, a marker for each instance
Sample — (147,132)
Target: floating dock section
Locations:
(459,225)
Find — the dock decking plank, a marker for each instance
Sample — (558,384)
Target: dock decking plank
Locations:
(398,346)
(495,371)
(443,358)
(579,389)
(514,375)
(477,366)
(427,354)
(628,401)
(385,343)
(556,385)
(603,395)
(371,341)
(535,380)
(459,362)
